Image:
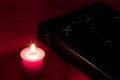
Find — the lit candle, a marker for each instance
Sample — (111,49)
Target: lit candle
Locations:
(32,59)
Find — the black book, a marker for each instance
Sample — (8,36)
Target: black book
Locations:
(88,38)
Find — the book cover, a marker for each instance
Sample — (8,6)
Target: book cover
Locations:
(88,38)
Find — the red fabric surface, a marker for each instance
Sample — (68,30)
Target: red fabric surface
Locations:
(18,25)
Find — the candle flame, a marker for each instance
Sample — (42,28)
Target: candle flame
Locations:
(32,48)
(32,54)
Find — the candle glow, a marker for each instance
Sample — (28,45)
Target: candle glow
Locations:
(32,53)
(33,48)
(32,58)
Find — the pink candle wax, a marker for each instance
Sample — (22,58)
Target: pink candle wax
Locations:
(32,59)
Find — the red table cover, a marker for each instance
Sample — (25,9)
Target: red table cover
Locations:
(18,26)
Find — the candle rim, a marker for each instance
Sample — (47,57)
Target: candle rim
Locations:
(32,60)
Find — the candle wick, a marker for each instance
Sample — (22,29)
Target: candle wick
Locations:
(33,53)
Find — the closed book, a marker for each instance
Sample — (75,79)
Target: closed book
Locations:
(88,38)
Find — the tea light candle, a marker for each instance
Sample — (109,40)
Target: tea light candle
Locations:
(32,59)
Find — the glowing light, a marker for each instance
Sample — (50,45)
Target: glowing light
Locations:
(32,48)
(32,53)
(32,59)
